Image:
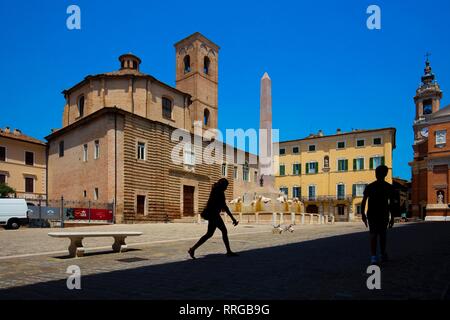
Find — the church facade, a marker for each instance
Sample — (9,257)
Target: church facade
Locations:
(431,164)
(116,140)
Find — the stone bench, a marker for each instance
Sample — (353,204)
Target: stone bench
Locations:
(76,248)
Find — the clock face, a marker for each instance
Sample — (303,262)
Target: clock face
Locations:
(424,132)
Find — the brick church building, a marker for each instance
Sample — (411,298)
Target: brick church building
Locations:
(115,144)
(431,164)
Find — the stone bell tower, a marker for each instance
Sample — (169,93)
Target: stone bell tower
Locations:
(427,100)
(197,74)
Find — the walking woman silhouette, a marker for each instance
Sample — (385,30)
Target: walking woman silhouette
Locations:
(216,204)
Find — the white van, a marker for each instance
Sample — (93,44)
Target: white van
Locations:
(13,213)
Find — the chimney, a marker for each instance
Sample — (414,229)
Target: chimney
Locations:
(320,133)
(17,132)
(338,131)
(7,130)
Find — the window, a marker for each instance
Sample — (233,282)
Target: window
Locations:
(81,106)
(85,152)
(166,108)
(2,178)
(441,137)
(312,192)
(340,145)
(375,162)
(282,151)
(341,210)
(358,189)
(360,143)
(342,165)
(140,205)
(96,149)
(206,117)
(296,169)
(235,173)
(96,195)
(141,147)
(189,155)
(341,191)
(29,158)
(224,169)
(187,64)
(296,192)
(84,194)
(427,107)
(295,150)
(312,148)
(377,141)
(29,185)
(2,154)
(285,191)
(282,169)
(358,164)
(312,167)
(245,172)
(61,149)
(206,63)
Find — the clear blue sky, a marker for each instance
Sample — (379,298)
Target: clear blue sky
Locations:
(328,70)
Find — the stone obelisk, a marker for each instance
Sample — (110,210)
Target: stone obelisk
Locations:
(266,154)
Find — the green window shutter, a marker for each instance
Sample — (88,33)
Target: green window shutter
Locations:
(346,165)
(307,168)
(354,164)
(371,163)
(317,167)
(354,190)
(382,161)
(300,169)
(362,164)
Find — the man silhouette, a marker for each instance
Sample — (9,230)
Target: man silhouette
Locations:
(382,200)
(216,204)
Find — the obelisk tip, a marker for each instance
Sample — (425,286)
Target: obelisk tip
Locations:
(266,76)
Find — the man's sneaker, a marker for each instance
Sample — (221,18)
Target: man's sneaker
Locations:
(384,257)
(374,261)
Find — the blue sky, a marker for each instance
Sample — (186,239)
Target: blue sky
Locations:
(328,70)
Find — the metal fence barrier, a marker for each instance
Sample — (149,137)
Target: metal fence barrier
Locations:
(51,212)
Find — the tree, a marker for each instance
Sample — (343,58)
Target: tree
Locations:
(5,190)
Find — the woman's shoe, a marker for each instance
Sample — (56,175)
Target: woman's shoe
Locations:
(191,253)
(232,254)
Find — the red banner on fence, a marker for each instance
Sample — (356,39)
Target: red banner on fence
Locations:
(96,214)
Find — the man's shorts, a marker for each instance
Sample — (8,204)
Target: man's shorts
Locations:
(378,226)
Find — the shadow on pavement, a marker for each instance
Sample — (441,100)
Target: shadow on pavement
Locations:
(327,268)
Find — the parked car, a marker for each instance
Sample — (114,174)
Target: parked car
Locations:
(13,213)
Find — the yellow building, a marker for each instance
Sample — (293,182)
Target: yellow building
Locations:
(23,164)
(329,173)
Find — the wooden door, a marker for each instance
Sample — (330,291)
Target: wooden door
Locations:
(188,201)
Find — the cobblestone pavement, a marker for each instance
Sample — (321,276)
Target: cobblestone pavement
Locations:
(313,262)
